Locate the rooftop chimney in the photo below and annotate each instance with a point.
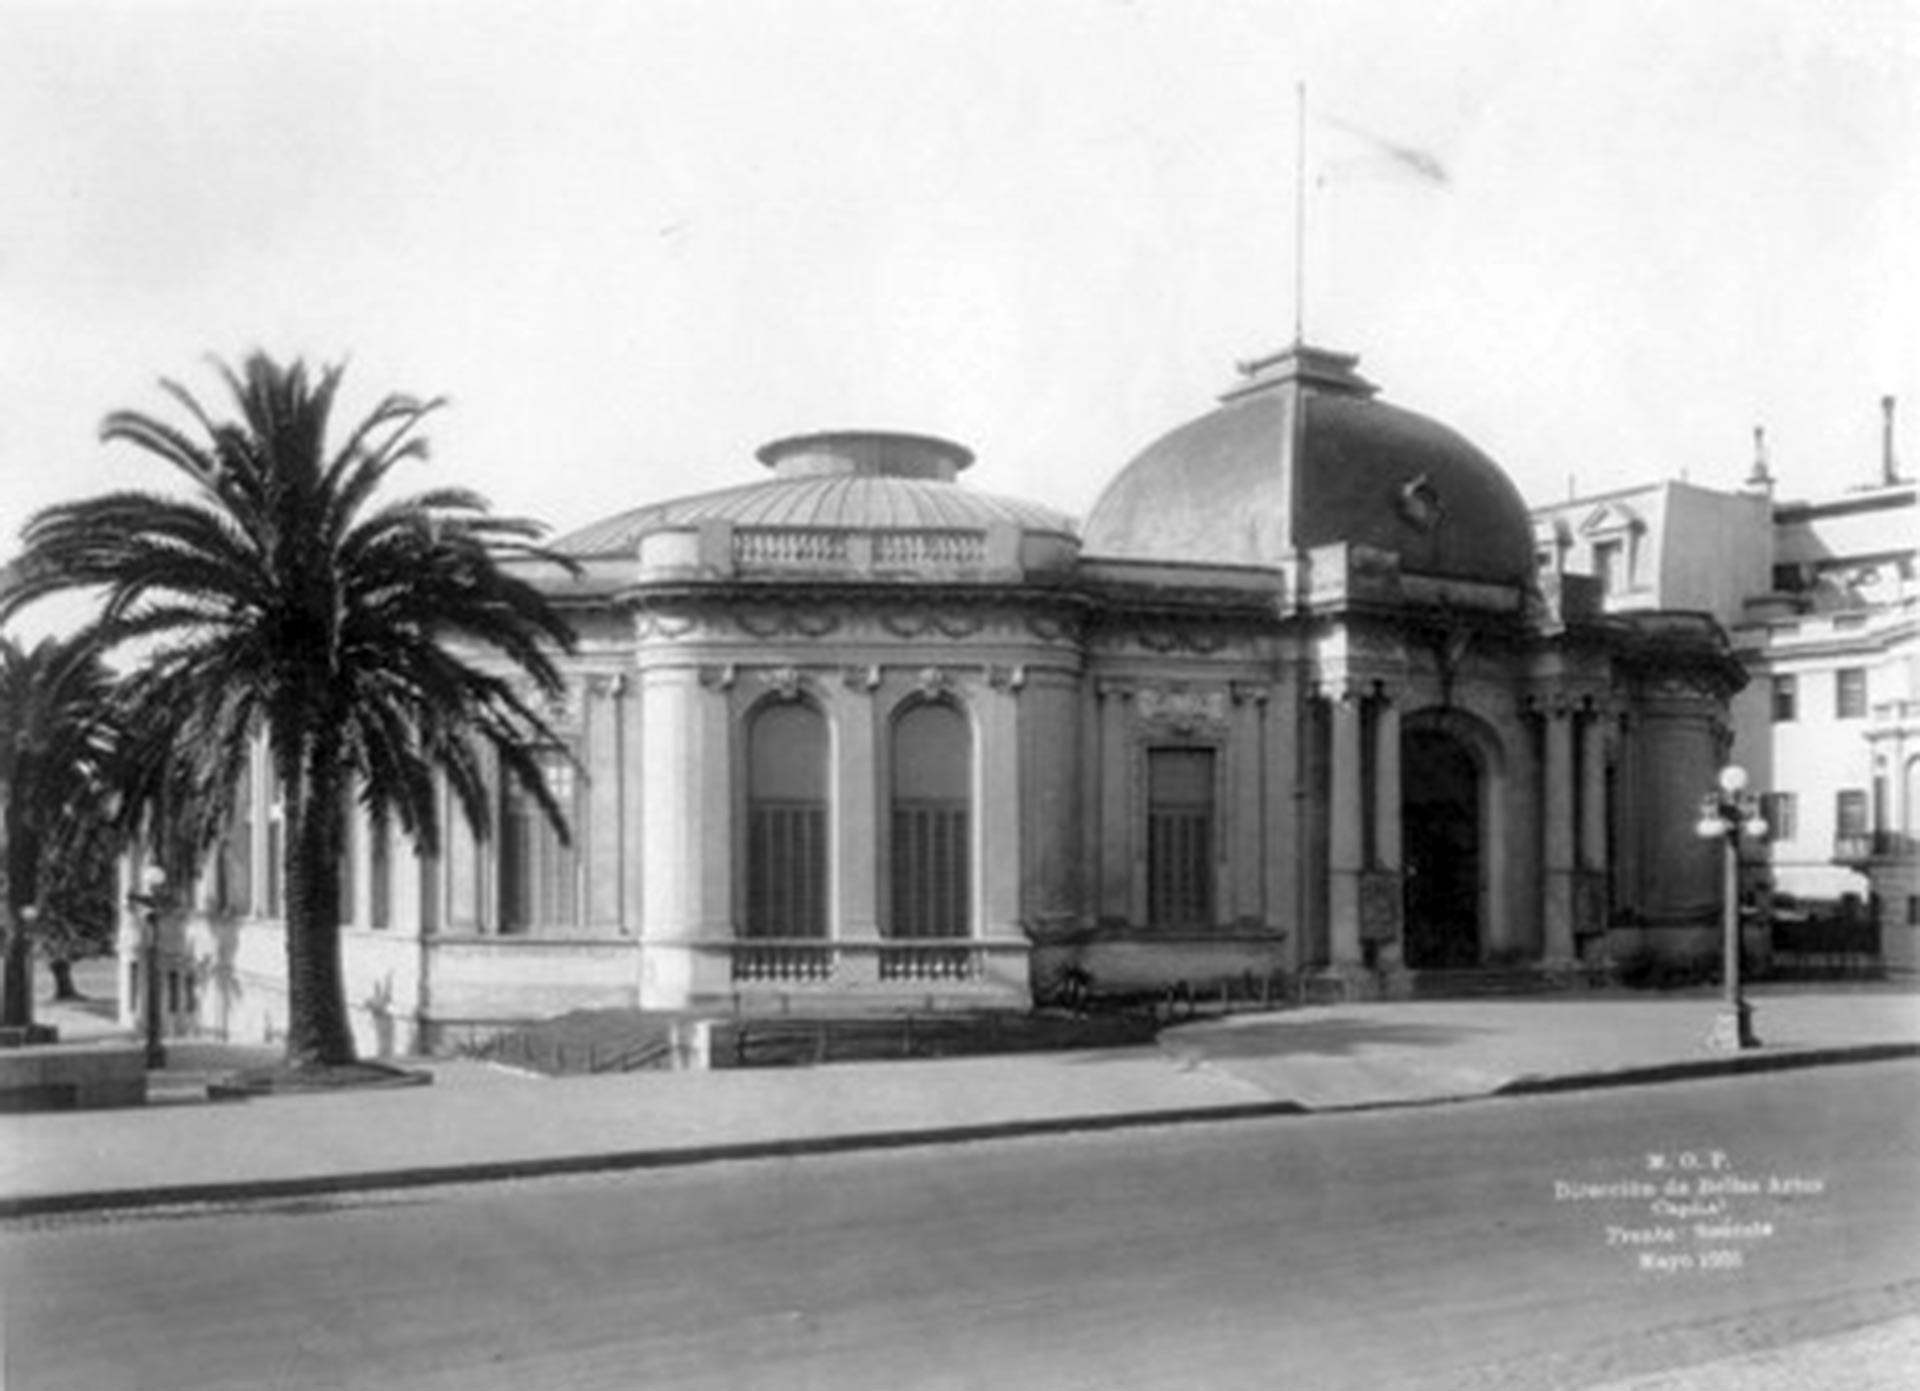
(1889, 465)
(1761, 479)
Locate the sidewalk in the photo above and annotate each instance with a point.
(477, 1122)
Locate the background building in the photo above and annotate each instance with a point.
(1822, 601)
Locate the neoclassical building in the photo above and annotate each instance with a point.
(1293, 701)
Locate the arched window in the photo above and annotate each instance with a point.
(787, 822)
(932, 805)
(539, 873)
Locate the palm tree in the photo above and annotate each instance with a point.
(54, 746)
(384, 647)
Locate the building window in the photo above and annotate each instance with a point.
(234, 868)
(1180, 837)
(1786, 699)
(1913, 910)
(349, 867)
(276, 846)
(380, 872)
(931, 829)
(1609, 565)
(1850, 693)
(1781, 812)
(1850, 812)
(432, 869)
(787, 823)
(538, 872)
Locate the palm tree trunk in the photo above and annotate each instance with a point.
(18, 874)
(16, 1004)
(319, 1034)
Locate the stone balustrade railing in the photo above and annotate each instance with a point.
(812, 961)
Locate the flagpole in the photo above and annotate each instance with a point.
(1300, 214)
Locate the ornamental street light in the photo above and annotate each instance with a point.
(1726, 814)
(150, 900)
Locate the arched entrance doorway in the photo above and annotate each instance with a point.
(1441, 845)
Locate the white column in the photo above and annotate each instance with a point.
(1558, 793)
(1593, 792)
(1246, 774)
(1116, 804)
(1346, 841)
(598, 840)
(687, 888)
(632, 759)
(1281, 851)
(1051, 849)
(856, 833)
(1386, 786)
(997, 812)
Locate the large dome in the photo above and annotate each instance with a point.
(839, 481)
(1300, 455)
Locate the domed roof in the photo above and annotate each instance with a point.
(851, 480)
(1299, 455)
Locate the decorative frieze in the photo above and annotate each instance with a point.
(920, 621)
(1183, 711)
(1055, 627)
(1204, 639)
(786, 620)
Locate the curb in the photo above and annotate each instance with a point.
(494, 1171)
(1693, 1069)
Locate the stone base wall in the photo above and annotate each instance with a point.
(1123, 965)
(82, 1077)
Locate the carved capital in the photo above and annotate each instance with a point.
(719, 678)
(659, 624)
(1250, 692)
(1552, 705)
(1008, 679)
(933, 682)
(865, 680)
(1343, 690)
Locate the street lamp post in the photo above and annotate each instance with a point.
(1726, 814)
(150, 899)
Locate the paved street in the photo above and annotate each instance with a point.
(1458, 1247)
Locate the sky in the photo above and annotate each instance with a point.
(631, 242)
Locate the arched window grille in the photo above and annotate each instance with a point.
(787, 822)
(931, 824)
